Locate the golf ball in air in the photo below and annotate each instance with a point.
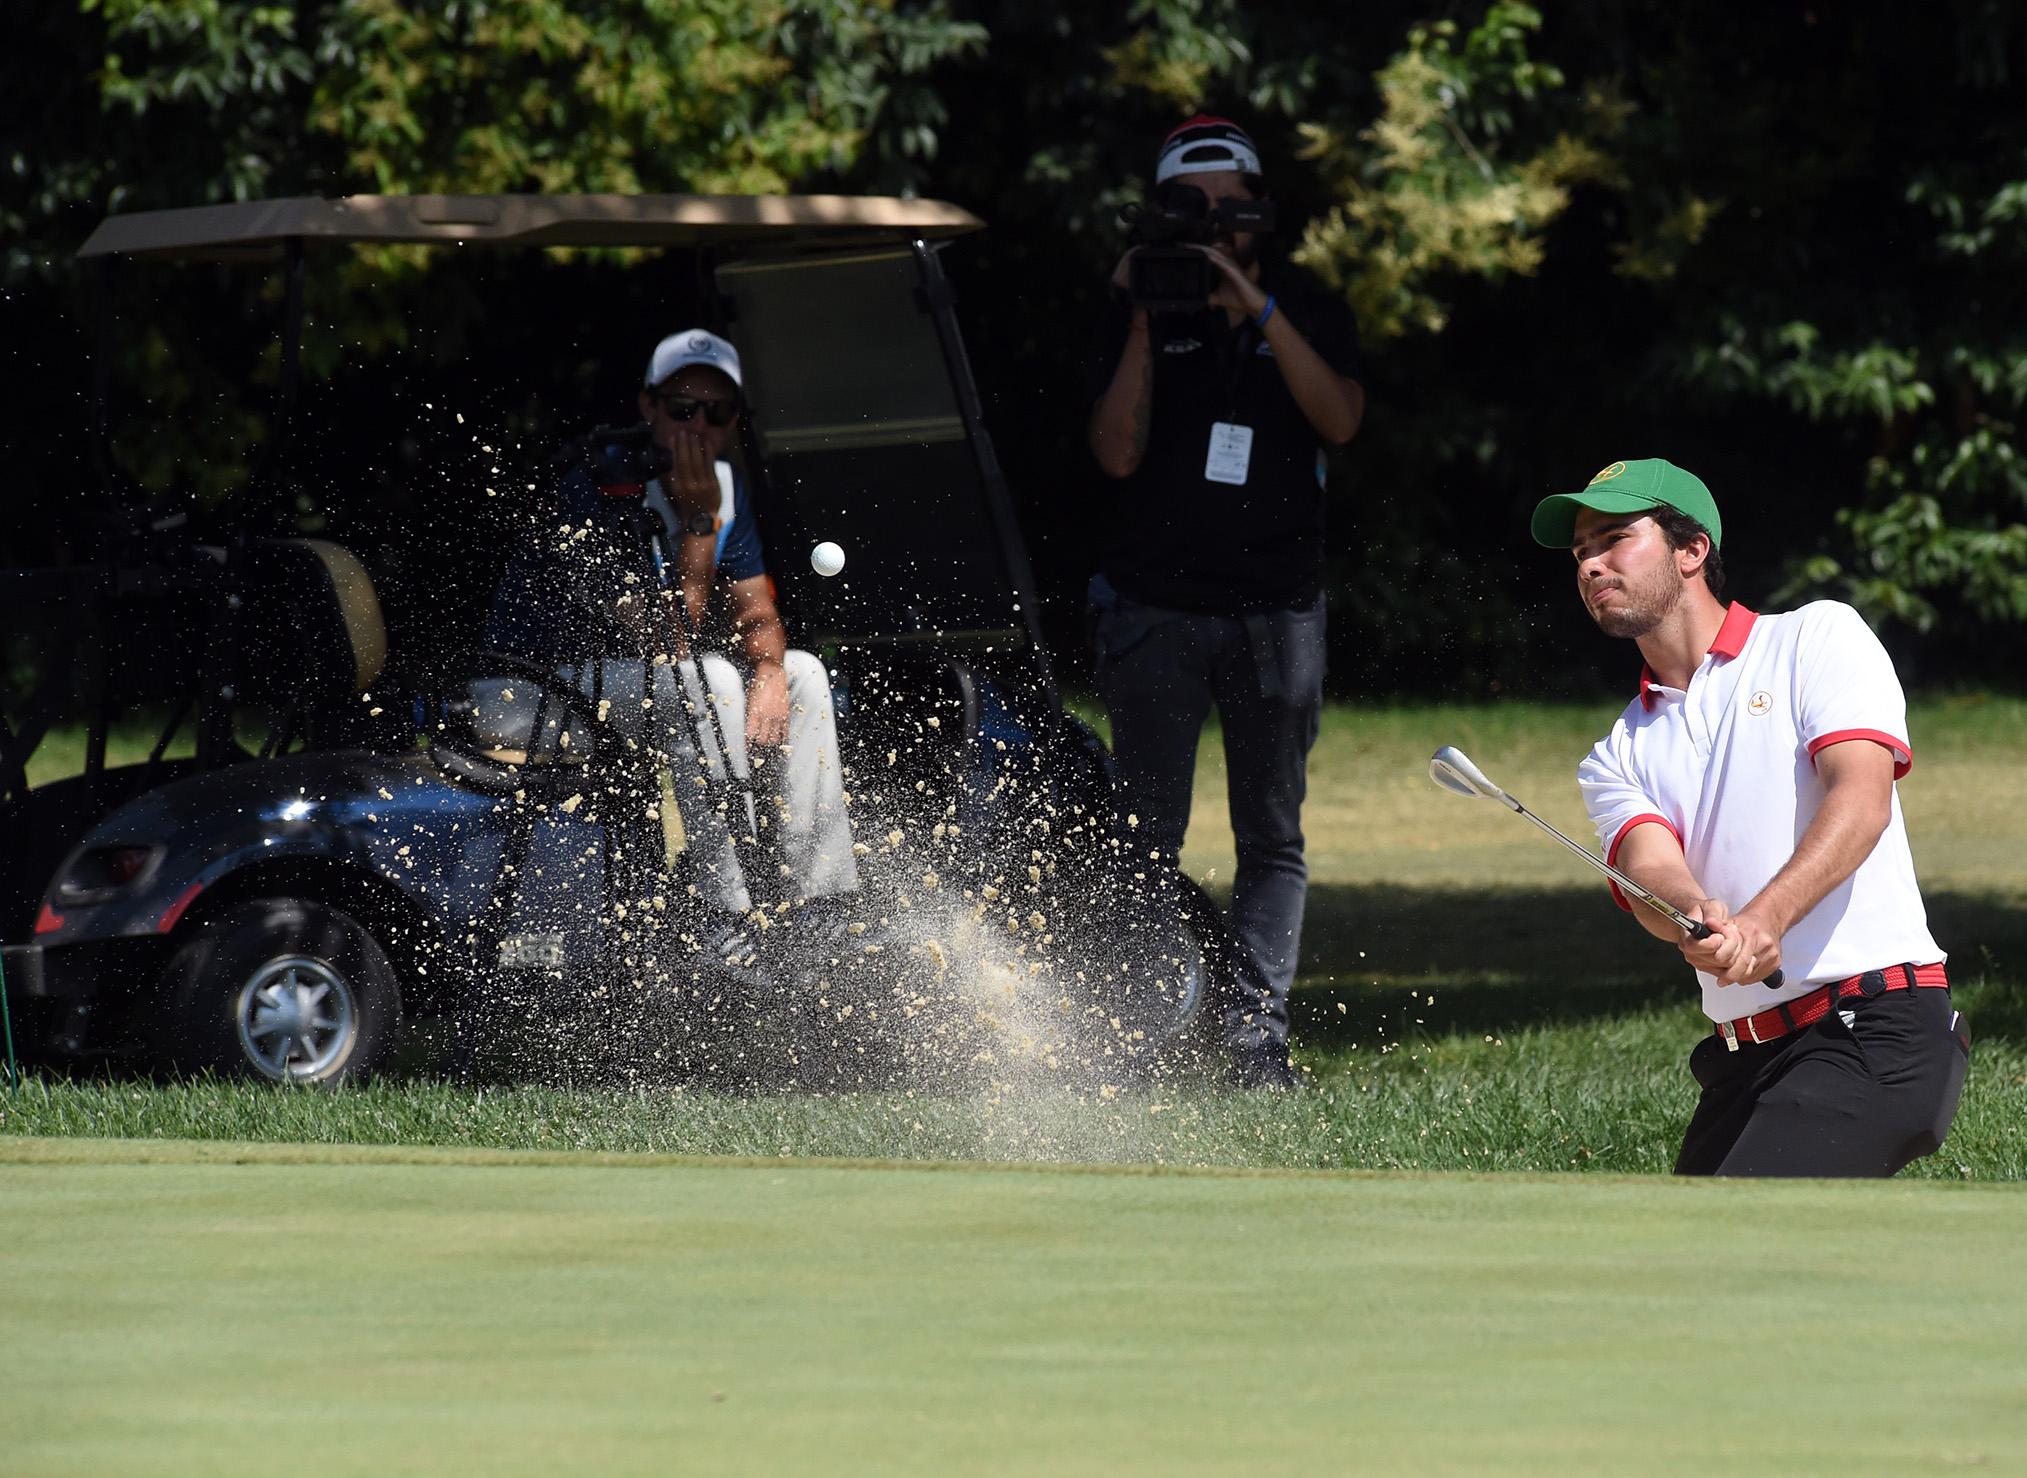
(827, 559)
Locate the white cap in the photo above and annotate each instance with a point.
(693, 346)
(1205, 144)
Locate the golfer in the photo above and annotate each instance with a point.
(1210, 588)
(573, 600)
(1751, 784)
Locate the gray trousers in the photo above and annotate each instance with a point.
(1159, 673)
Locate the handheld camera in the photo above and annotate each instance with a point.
(1166, 276)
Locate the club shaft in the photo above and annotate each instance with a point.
(1667, 910)
(704, 717)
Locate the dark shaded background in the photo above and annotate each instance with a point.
(1809, 127)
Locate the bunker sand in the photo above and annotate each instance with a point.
(192, 1307)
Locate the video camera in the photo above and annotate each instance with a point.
(617, 457)
(1166, 276)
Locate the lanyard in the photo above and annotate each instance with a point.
(1247, 351)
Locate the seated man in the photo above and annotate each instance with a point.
(577, 596)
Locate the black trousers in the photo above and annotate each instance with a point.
(1861, 1098)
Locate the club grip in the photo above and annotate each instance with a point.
(1703, 931)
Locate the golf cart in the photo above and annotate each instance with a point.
(471, 840)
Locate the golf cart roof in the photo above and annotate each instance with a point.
(258, 228)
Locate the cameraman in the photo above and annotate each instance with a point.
(1210, 584)
(578, 600)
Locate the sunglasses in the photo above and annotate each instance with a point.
(683, 407)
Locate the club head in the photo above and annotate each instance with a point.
(1452, 769)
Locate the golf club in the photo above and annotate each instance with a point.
(1452, 769)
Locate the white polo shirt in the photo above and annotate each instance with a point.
(1729, 767)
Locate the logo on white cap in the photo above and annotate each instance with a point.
(1205, 144)
(693, 346)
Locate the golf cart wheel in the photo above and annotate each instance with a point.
(1188, 933)
(1183, 949)
(282, 989)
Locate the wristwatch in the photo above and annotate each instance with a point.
(702, 524)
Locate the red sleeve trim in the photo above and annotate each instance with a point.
(1612, 853)
(1903, 756)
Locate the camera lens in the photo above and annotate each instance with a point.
(1170, 280)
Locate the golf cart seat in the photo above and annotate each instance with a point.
(314, 632)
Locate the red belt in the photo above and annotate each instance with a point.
(1792, 1016)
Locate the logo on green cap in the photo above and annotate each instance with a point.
(1632, 487)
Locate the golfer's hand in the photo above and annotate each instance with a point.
(1237, 290)
(692, 484)
(1702, 953)
(1757, 953)
(1742, 949)
(767, 707)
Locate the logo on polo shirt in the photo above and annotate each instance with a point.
(1760, 704)
(1607, 475)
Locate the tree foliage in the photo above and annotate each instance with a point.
(741, 96)
(1782, 246)
(1430, 193)
(709, 96)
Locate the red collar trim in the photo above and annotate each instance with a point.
(1728, 643)
(1738, 625)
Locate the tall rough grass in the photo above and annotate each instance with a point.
(1609, 1095)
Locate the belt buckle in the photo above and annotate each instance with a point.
(1730, 1034)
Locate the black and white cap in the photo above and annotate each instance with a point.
(693, 346)
(1205, 144)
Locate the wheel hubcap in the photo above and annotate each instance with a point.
(297, 1020)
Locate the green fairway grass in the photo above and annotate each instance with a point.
(229, 1310)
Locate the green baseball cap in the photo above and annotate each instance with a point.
(1628, 487)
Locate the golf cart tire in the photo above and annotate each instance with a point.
(282, 989)
(1202, 1031)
